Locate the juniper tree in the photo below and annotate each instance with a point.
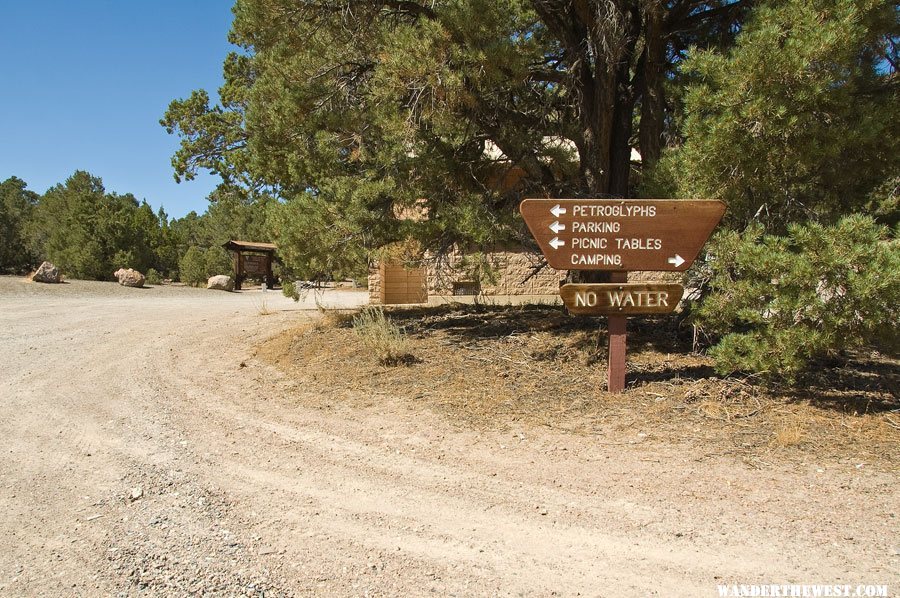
(797, 127)
(800, 120)
(16, 206)
(88, 232)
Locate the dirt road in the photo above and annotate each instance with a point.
(145, 452)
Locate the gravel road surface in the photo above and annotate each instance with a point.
(147, 453)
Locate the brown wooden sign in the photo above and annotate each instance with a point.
(621, 235)
(623, 299)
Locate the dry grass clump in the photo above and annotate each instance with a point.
(262, 307)
(385, 339)
(790, 433)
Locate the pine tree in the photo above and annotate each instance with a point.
(800, 120)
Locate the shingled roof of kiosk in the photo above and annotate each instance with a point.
(249, 246)
(252, 265)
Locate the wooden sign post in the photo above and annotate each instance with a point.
(616, 329)
(619, 236)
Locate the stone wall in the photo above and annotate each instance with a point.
(374, 283)
(495, 273)
(660, 277)
(499, 273)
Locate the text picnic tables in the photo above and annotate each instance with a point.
(619, 236)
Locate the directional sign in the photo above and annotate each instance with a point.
(621, 235)
(621, 299)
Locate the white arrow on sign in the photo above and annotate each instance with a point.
(677, 260)
(557, 211)
(555, 243)
(556, 227)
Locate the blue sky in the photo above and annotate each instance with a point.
(85, 83)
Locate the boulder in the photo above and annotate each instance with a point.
(46, 273)
(220, 283)
(129, 278)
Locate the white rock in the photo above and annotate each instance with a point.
(47, 272)
(220, 282)
(129, 277)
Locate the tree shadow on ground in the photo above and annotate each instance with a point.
(860, 383)
(480, 322)
(672, 373)
(470, 323)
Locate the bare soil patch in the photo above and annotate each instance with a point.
(493, 367)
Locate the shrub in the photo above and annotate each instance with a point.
(153, 277)
(123, 259)
(382, 337)
(289, 290)
(191, 267)
(262, 306)
(331, 319)
(217, 261)
(197, 264)
(780, 302)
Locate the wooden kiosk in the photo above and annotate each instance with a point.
(252, 260)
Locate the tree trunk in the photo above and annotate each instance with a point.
(600, 37)
(620, 140)
(651, 79)
(596, 94)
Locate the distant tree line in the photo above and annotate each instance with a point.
(89, 233)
